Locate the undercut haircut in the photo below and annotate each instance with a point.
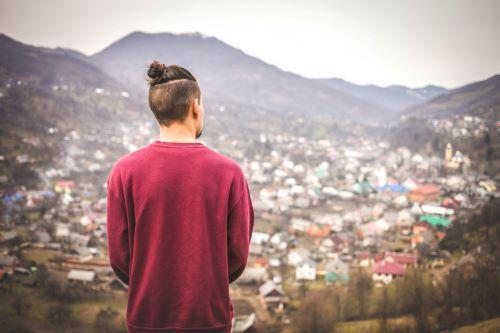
(171, 90)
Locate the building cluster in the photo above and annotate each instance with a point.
(324, 210)
(461, 126)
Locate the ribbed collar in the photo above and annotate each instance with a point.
(173, 144)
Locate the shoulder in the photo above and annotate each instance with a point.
(130, 159)
(127, 162)
(225, 163)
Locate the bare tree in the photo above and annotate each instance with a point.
(317, 313)
(417, 298)
(384, 311)
(360, 287)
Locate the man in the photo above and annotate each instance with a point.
(179, 218)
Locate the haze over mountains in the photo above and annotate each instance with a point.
(393, 97)
(227, 75)
(62, 89)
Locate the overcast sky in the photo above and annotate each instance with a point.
(414, 43)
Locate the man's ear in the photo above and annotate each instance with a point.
(195, 108)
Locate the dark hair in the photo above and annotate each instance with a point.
(171, 90)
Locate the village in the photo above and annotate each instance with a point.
(324, 210)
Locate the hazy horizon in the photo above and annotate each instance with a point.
(383, 43)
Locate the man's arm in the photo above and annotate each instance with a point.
(117, 227)
(240, 227)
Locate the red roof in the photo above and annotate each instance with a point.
(450, 203)
(262, 261)
(367, 255)
(387, 267)
(402, 258)
(65, 183)
(427, 189)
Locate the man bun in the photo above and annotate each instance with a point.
(156, 72)
(159, 73)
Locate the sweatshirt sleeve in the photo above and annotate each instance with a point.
(117, 227)
(240, 227)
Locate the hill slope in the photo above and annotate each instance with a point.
(44, 94)
(394, 97)
(480, 99)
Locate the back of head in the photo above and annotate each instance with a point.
(171, 90)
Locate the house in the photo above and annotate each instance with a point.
(326, 245)
(256, 249)
(386, 270)
(306, 270)
(279, 240)
(300, 224)
(81, 275)
(405, 218)
(315, 231)
(10, 238)
(427, 237)
(437, 210)
(243, 323)
(43, 237)
(262, 261)
(374, 227)
(295, 256)
(365, 259)
(8, 261)
(272, 296)
(260, 238)
(274, 262)
(62, 231)
(253, 275)
(450, 203)
(336, 271)
(64, 186)
(404, 259)
(435, 221)
(420, 228)
(425, 193)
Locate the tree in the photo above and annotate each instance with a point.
(104, 321)
(42, 274)
(317, 313)
(361, 286)
(19, 305)
(53, 289)
(60, 315)
(417, 293)
(384, 311)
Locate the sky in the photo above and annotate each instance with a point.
(414, 43)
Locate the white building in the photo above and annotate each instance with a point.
(306, 270)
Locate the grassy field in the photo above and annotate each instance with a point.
(370, 326)
(488, 326)
(34, 313)
(40, 255)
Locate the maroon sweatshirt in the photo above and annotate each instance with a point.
(179, 224)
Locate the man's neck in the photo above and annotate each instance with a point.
(176, 133)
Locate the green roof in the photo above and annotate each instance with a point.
(435, 220)
(332, 277)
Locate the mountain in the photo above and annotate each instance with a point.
(227, 74)
(479, 98)
(44, 95)
(46, 66)
(393, 97)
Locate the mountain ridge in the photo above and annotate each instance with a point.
(228, 73)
